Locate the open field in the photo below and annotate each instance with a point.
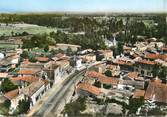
(20, 28)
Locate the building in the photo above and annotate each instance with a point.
(86, 89)
(108, 54)
(156, 92)
(14, 96)
(144, 67)
(64, 47)
(89, 58)
(35, 91)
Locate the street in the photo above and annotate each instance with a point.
(50, 107)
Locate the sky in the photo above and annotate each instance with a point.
(83, 5)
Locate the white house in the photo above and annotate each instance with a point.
(2, 56)
(14, 96)
(35, 91)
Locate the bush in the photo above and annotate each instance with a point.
(7, 104)
(108, 73)
(24, 106)
(7, 85)
(74, 108)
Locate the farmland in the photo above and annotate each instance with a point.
(20, 28)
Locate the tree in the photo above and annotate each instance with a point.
(46, 48)
(7, 85)
(33, 59)
(24, 55)
(24, 106)
(163, 74)
(74, 108)
(108, 73)
(135, 103)
(156, 70)
(7, 104)
(120, 48)
(69, 51)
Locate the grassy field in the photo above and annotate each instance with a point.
(9, 46)
(30, 30)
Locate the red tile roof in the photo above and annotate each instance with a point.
(147, 62)
(135, 76)
(156, 91)
(122, 62)
(102, 78)
(42, 59)
(3, 75)
(11, 94)
(138, 93)
(25, 78)
(88, 87)
(156, 56)
(27, 72)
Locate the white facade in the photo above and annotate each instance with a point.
(37, 95)
(57, 74)
(15, 101)
(2, 56)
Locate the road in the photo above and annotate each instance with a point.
(54, 102)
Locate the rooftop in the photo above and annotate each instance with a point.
(138, 93)
(29, 79)
(102, 78)
(156, 91)
(33, 87)
(88, 87)
(27, 72)
(11, 94)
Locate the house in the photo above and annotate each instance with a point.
(35, 91)
(57, 73)
(42, 59)
(24, 80)
(125, 64)
(138, 93)
(8, 63)
(153, 57)
(3, 76)
(134, 76)
(144, 67)
(108, 54)
(156, 92)
(86, 51)
(130, 85)
(2, 56)
(101, 68)
(115, 69)
(14, 96)
(89, 57)
(104, 80)
(64, 47)
(87, 89)
(27, 72)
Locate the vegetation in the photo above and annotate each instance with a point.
(24, 106)
(97, 84)
(7, 85)
(7, 104)
(160, 71)
(24, 55)
(134, 104)
(107, 86)
(108, 73)
(74, 108)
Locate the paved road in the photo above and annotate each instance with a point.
(55, 100)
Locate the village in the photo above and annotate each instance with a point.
(133, 82)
